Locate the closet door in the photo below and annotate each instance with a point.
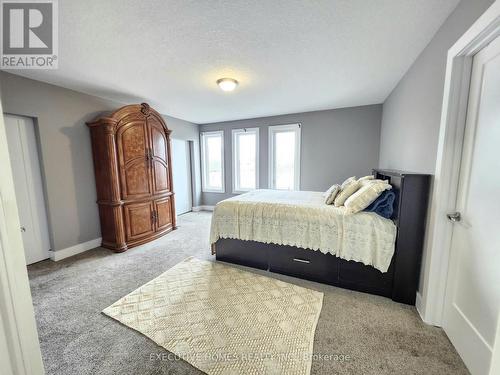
(135, 173)
(26, 170)
(159, 157)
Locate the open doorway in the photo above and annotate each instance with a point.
(181, 170)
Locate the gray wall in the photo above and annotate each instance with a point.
(335, 144)
(66, 153)
(412, 112)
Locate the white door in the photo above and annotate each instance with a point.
(181, 171)
(23, 152)
(472, 303)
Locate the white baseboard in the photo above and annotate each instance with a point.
(419, 305)
(202, 208)
(73, 250)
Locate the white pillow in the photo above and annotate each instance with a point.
(331, 193)
(348, 187)
(366, 195)
(365, 182)
(327, 192)
(367, 178)
(347, 181)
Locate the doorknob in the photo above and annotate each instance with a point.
(454, 217)
(23, 229)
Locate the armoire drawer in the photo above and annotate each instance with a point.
(308, 264)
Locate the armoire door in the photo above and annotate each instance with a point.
(159, 154)
(163, 208)
(135, 174)
(139, 220)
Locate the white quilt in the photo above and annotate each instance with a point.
(302, 219)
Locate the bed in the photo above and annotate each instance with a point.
(296, 233)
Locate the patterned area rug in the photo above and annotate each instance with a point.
(224, 320)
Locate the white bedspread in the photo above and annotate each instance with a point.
(302, 219)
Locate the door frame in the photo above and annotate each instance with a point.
(17, 318)
(430, 301)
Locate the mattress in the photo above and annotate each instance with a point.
(302, 219)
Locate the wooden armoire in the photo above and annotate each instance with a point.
(132, 164)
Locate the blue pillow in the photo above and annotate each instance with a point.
(383, 205)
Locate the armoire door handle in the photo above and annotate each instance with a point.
(151, 157)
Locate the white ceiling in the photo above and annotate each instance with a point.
(289, 55)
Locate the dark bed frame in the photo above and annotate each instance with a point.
(400, 282)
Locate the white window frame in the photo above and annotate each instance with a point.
(235, 132)
(284, 128)
(204, 160)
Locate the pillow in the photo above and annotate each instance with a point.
(331, 193)
(365, 182)
(383, 205)
(367, 178)
(348, 187)
(368, 192)
(328, 191)
(347, 181)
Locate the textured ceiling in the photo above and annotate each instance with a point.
(289, 56)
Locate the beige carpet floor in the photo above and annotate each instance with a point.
(357, 333)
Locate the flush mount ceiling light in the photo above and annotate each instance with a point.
(227, 84)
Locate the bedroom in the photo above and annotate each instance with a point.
(225, 182)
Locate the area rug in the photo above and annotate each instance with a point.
(224, 320)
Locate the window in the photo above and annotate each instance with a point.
(284, 157)
(245, 159)
(212, 161)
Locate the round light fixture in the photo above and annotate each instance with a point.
(227, 84)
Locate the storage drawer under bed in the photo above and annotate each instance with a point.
(247, 253)
(355, 275)
(307, 264)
